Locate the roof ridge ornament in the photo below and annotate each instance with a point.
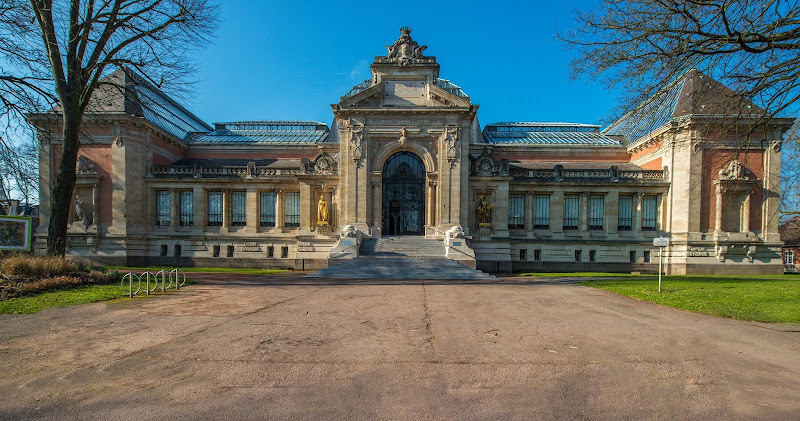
(405, 51)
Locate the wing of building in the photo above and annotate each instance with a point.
(406, 156)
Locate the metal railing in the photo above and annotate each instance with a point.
(174, 278)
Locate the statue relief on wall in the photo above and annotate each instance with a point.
(484, 211)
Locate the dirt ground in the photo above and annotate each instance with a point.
(282, 346)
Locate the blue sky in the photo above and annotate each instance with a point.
(291, 60)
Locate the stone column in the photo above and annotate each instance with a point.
(557, 211)
(377, 218)
(583, 213)
(226, 210)
(529, 211)
(199, 198)
(306, 216)
(719, 191)
(96, 205)
(611, 209)
(278, 210)
(174, 197)
(252, 211)
(637, 212)
(746, 213)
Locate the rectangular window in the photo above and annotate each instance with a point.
(163, 250)
(625, 213)
(291, 209)
(788, 258)
(578, 255)
(216, 251)
(571, 211)
(541, 212)
(537, 255)
(267, 211)
(214, 208)
(270, 251)
(592, 255)
(633, 256)
(523, 255)
(649, 213)
(284, 252)
(162, 207)
(187, 208)
(238, 208)
(596, 212)
(647, 256)
(516, 211)
(177, 250)
(230, 251)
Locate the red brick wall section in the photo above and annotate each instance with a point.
(715, 160)
(652, 165)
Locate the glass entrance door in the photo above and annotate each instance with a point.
(403, 195)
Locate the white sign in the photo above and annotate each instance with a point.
(661, 241)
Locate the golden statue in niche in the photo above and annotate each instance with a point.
(322, 211)
(484, 211)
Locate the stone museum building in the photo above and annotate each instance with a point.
(405, 158)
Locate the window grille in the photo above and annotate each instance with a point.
(267, 218)
(625, 213)
(187, 208)
(571, 211)
(537, 255)
(592, 255)
(291, 210)
(647, 256)
(788, 258)
(596, 212)
(541, 211)
(214, 208)
(162, 207)
(578, 255)
(238, 208)
(516, 211)
(649, 213)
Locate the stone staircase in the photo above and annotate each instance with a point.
(400, 258)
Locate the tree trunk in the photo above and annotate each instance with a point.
(65, 183)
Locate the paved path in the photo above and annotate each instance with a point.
(239, 347)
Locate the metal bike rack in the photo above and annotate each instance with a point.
(168, 278)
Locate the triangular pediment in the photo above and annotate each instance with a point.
(441, 97)
(369, 97)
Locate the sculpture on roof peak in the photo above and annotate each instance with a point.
(405, 50)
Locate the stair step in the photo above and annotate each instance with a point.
(374, 267)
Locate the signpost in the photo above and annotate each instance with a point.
(660, 242)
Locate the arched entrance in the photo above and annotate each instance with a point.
(403, 195)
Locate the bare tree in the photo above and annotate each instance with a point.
(19, 170)
(790, 173)
(73, 44)
(640, 46)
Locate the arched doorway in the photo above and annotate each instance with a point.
(403, 195)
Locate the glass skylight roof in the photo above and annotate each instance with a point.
(266, 132)
(546, 133)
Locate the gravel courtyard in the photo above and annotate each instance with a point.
(283, 346)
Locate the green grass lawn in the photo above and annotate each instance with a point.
(203, 269)
(60, 298)
(774, 299)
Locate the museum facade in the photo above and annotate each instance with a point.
(406, 156)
